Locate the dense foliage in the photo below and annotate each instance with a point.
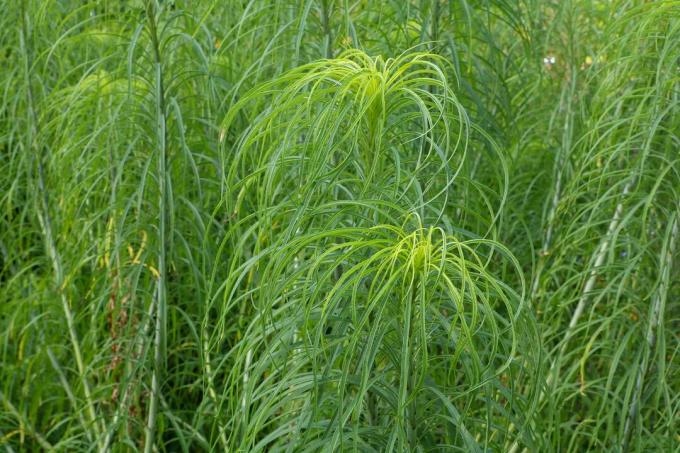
(340, 225)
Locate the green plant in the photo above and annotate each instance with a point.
(335, 225)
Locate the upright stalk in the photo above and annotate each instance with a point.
(560, 162)
(404, 379)
(599, 260)
(408, 383)
(600, 255)
(163, 189)
(655, 319)
(46, 225)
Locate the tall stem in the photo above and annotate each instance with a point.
(46, 225)
(599, 260)
(655, 319)
(407, 382)
(600, 255)
(163, 189)
(560, 162)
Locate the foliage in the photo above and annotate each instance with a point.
(332, 225)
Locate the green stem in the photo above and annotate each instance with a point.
(655, 319)
(163, 189)
(561, 161)
(407, 383)
(46, 224)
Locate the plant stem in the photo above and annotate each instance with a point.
(600, 255)
(655, 318)
(599, 260)
(46, 224)
(163, 188)
(560, 162)
(407, 386)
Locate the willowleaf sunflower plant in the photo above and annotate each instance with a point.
(331, 225)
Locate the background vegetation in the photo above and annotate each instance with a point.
(339, 225)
